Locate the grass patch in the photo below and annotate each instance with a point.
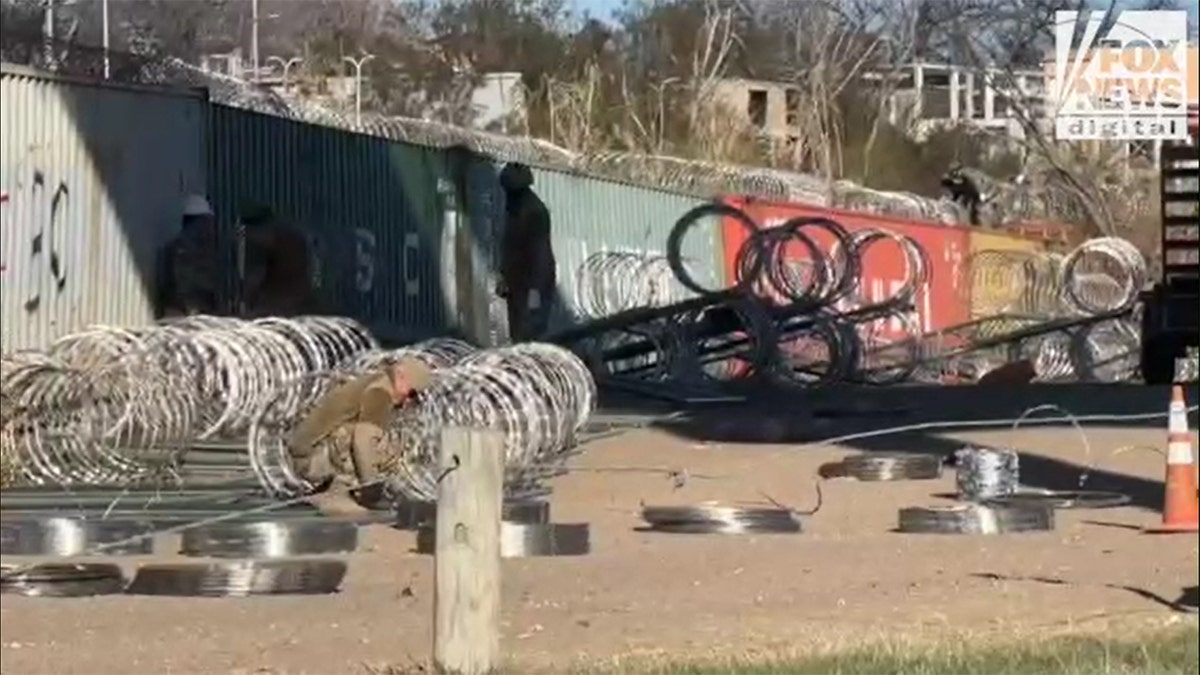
(1163, 652)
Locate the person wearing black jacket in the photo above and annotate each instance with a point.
(527, 267)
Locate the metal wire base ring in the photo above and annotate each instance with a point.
(522, 540)
(717, 519)
(877, 467)
(62, 580)
(412, 515)
(72, 536)
(976, 519)
(271, 538)
(240, 579)
(1062, 499)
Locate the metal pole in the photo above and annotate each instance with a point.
(358, 65)
(286, 66)
(104, 27)
(254, 39)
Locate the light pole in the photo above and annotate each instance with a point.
(254, 39)
(286, 65)
(104, 27)
(358, 65)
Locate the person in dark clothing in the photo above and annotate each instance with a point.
(968, 188)
(528, 276)
(187, 266)
(277, 265)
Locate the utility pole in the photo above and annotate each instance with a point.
(104, 27)
(358, 65)
(254, 39)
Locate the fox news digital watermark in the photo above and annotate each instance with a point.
(1129, 84)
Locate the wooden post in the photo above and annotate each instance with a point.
(466, 614)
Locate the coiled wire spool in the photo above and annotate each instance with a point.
(270, 539)
(976, 519)
(718, 519)
(986, 473)
(72, 536)
(876, 467)
(525, 540)
(411, 515)
(1062, 499)
(62, 580)
(240, 578)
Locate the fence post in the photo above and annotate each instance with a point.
(466, 614)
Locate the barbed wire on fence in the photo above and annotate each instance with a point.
(701, 178)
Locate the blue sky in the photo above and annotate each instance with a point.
(603, 9)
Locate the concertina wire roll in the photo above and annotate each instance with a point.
(539, 396)
(802, 316)
(113, 405)
(118, 406)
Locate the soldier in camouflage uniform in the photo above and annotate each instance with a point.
(189, 281)
(278, 278)
(336, 447)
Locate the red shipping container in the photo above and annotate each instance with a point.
(939, 304)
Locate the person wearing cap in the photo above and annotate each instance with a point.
(278, 279)
(336, 447)
(188, 284)
(527, 266)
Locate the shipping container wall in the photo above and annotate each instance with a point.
(374, 211)
(999, 273)
(939, 304)
(93, 177)
(591, 219)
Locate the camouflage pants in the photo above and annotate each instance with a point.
(351, 456)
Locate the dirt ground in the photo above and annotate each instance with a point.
(847, 578)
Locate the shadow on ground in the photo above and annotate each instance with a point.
(770, 415)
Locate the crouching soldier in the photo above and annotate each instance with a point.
(337, 446)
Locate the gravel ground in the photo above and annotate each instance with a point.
(847, 579)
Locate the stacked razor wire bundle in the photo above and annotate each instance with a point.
(117, 405)
(796, 312)
(540, 396)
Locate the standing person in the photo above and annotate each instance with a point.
(278, 280)
(970, 188)
(527, 267)
(188, 264)
(337, 446)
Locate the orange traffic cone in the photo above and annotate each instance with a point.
(1181, 508)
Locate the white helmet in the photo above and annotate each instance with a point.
(195, 205)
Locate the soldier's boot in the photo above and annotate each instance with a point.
(336, 501)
